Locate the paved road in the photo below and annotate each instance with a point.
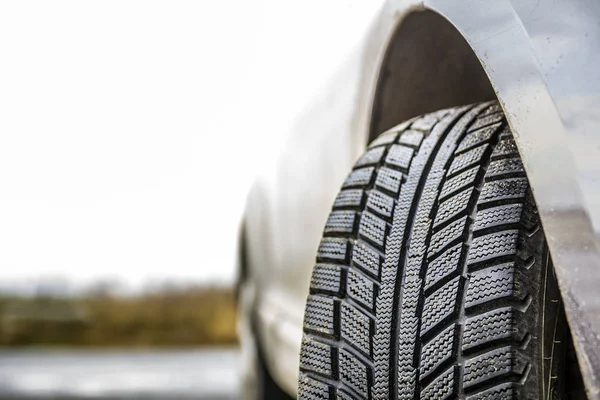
(180, 374)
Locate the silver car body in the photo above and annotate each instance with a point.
(539, 58)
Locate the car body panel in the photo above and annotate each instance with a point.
(541, 58)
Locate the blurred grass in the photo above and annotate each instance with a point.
(199, 316)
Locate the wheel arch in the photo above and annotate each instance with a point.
(427, 66)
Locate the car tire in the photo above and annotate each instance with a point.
(433, 279)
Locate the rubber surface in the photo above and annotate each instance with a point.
(433, 280)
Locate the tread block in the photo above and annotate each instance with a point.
(485, 328)
(485, 120)
(353, 373)
(505, 147)
(439, 305)
(319, 314)
(326, 277)
(505, 166)
(490, 284)
(384, 139)
(316, 356)
(504, 391)
(406, 375)
(399, 156)
(380, 203)
(447, 235)
(443, 265)
(493, 245)
(340, 222)
(494, 108)
(440, 388)
(513, 188)
(426, 122)
(366, 257)
(356, 328)
(478, 137)
(411, 138)
(373, 228)
(373, 156)
(349, 198)
(496, 216)
(459, 182)
(359, 177)
(389, 179)
(491, 365)
(340, 395)
(417, 245)
(438, 350)
(453, 206)
(309, 388)
(467, 159)
(361, 289)
(333, 249)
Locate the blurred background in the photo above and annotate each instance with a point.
(130, 133)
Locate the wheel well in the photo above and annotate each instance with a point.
(428, 66)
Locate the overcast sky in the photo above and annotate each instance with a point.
(130, 130)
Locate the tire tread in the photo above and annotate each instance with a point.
(431, 260)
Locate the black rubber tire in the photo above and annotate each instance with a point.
(433, 279)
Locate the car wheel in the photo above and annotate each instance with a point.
(433, 279)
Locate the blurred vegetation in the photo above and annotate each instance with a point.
(199, 316)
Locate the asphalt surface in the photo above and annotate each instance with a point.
(179, 374)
